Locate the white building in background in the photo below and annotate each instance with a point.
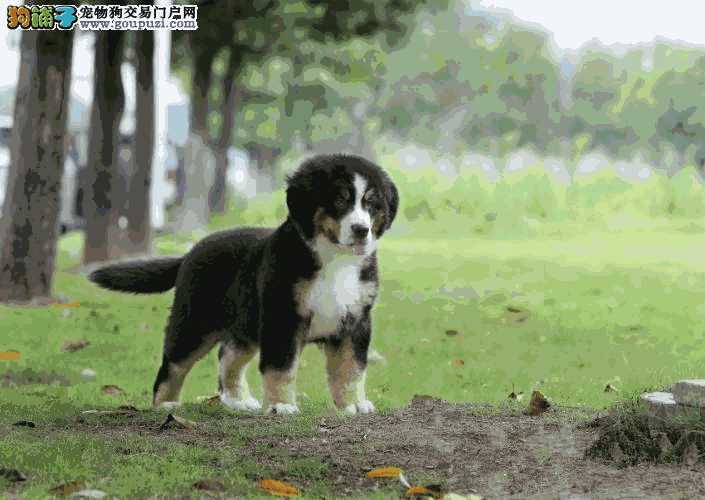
(171, 120)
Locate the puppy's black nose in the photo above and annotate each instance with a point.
(360, 231)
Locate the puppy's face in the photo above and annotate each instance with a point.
(345, 202)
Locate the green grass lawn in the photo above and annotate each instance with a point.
(566, 315)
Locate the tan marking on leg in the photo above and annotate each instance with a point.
(346, 378)
(169, 390)
(280, 390)
(235, 392)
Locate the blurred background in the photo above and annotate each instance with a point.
(496, 118)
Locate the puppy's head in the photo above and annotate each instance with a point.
(342, 200)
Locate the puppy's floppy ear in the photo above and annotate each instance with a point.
(392, 195)
(300, 202)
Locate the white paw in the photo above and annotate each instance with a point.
(245, 404)
(282, 409)
(168, 405)
(364, 406)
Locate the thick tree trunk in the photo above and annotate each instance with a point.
(217, 197)
(101, 209)
(138, 205)
(29, 223)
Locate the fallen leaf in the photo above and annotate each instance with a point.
(9, 355)
(538, 404)
(457, 362)
(209, 485)
(210, 400)
(74, 345)
(66, 489)
(431, 490)
(172, 421)
(75, 303)
(384, 472)
(611, 388)
(452, 333)
(12, 475)
(24, 423)
(279, 488)
(90, 494)
(513, 309)
(112, 390)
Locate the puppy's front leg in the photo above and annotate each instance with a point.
(279, 355)
(346, 363)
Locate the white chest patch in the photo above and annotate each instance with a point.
(334, 293)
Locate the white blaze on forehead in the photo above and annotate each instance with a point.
(358, 215)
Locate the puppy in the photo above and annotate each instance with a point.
(272, 291)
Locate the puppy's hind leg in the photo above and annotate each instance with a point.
(183, 346)
(232, 385)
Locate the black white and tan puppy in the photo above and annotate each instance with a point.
(312, 279)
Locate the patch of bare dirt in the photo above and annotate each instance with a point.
(494, 452)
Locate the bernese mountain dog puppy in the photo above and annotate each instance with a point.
(274, 290)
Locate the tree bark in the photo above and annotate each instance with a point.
(29, 224)
(102, 211)
(217, 197)
(138, 205)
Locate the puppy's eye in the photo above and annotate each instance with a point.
(341, 201)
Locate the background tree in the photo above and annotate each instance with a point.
(138, 202)
(101, 205)
(29, 224)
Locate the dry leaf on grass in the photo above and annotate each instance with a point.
(75, 303)
(391, 472)
(279, 488)
(431, 490)
(9, 355)
(172, 421)
(112, 390)
(538, 404)
(209, 400)
(611, 388)
(452, 333)
(66, 489)
(74, 345)
(457, 362)
(384, 472)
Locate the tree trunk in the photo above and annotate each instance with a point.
(29, 224)
(138, 205)
(217, 197)
(101, 209)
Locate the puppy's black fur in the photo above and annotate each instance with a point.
(242, 287)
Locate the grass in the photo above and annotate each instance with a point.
(580, 306)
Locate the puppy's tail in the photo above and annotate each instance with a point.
(140, 276)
